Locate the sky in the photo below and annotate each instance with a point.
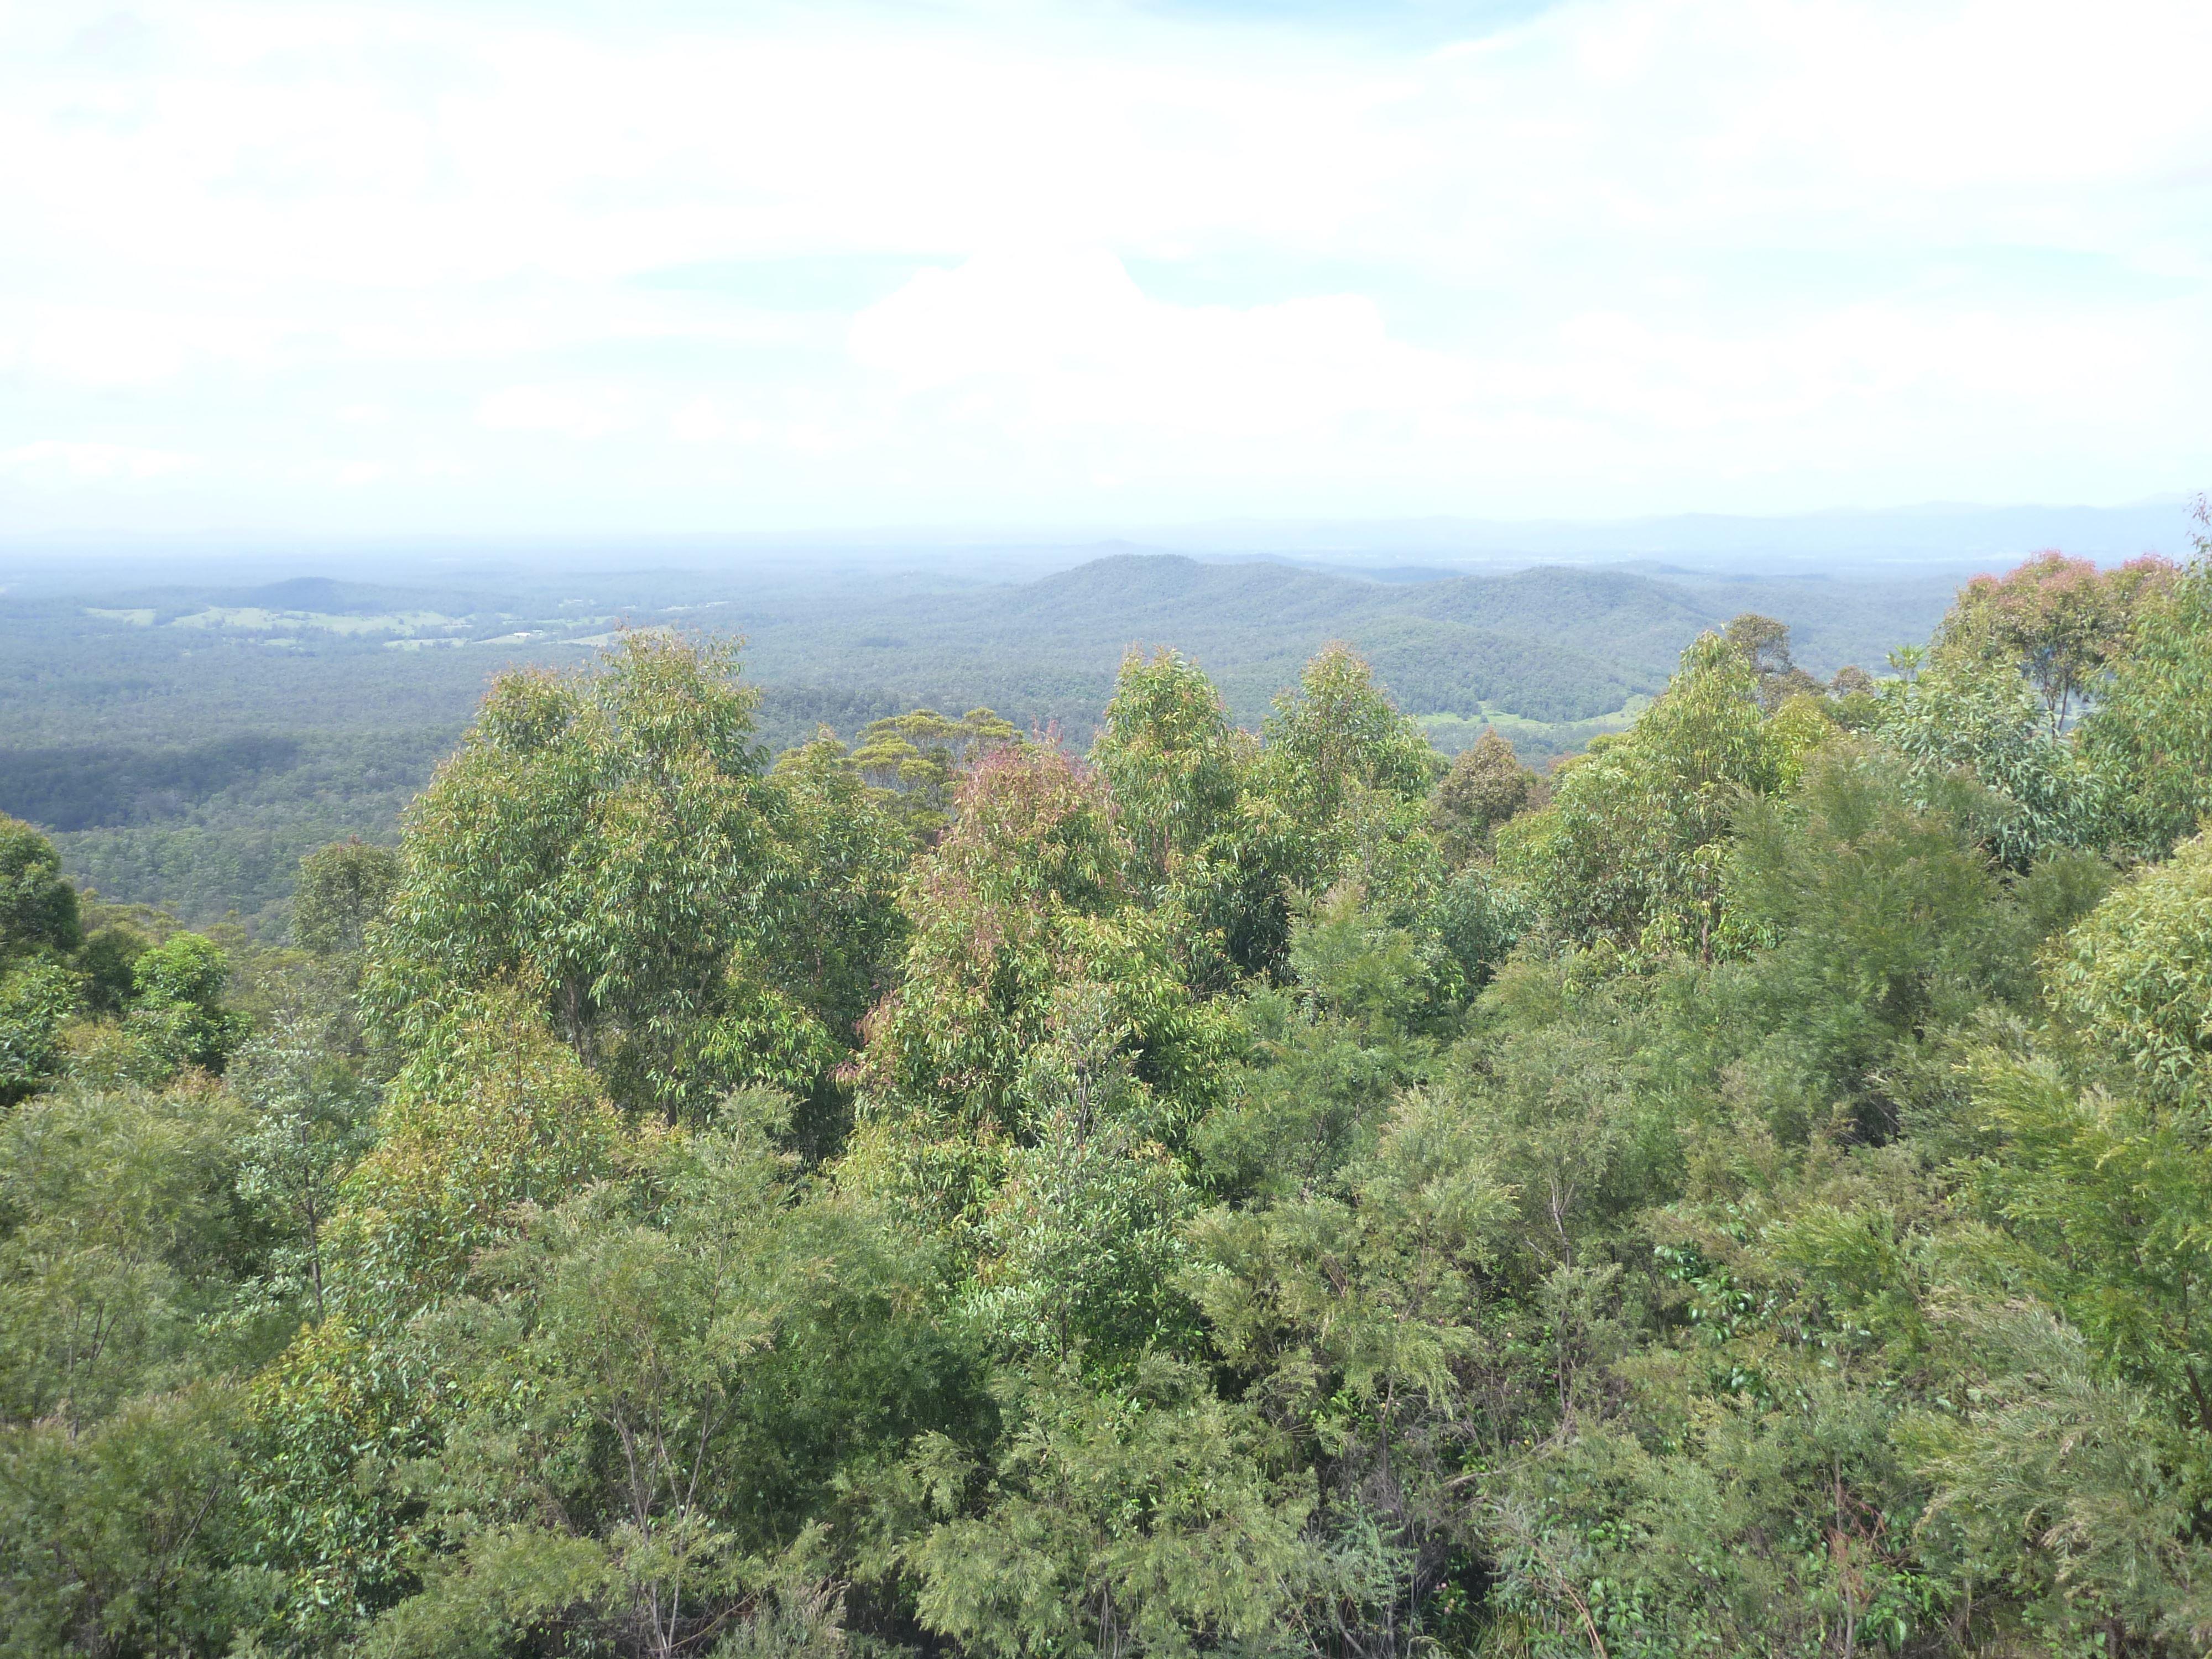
(579, 267)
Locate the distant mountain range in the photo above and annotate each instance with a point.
(1937, 538)
(1553, 643)
(1943, 535)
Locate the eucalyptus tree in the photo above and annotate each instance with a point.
(1487, 786)
(2060, 623)
(1631, 849)
(609, 841)
(38, 905)
(1025, 927)
(341, 889)
(2149, 737)
(39, 987)
(1171, 759)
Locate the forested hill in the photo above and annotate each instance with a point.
(1255, 1194)
(1551, 644)
(190, 743)
(1544, 645)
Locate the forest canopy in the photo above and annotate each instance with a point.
(1284, 1192)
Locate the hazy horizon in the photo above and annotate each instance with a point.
(1934, 539)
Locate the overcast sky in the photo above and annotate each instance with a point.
(509, 267)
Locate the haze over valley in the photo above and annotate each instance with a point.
(188, 741)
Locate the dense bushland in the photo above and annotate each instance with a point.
(1747, 1193)
(186, 746)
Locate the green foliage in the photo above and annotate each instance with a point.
(1885, 922)
(608, 841)
(1079, 1245)
(330, 1424)
(2061, 623)
(108, 960)
(314, 1118)
(2087, 1473)
(116, 1227)
(1026, 931)
(1143, 1519)
(36, 998)
(1354, 1305)
(2150, 736)
(37, 907)
(341, 889)
(120, 1537)
(490, 1119)
(1764, 644)
(1753, 1202)
(1741, 1528)
(1339, 737)
(1337, 804)
(177, 1010)
(1968, 717)
(491, 1113)
(651, 1402)
(1479, 918)
(854, 854)
(1168, 754)
(2101, 1200)
(1326, 1057)
(1486, 786)
(2136, 976)
(1631, 851)
(121, 1244)
(600, 1393)
(916, 761)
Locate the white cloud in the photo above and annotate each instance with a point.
(582, 412)
(50, 460)
(1058, 357)
(711, 421)
(122, 346)
(1072, 341)
(1627, 254)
